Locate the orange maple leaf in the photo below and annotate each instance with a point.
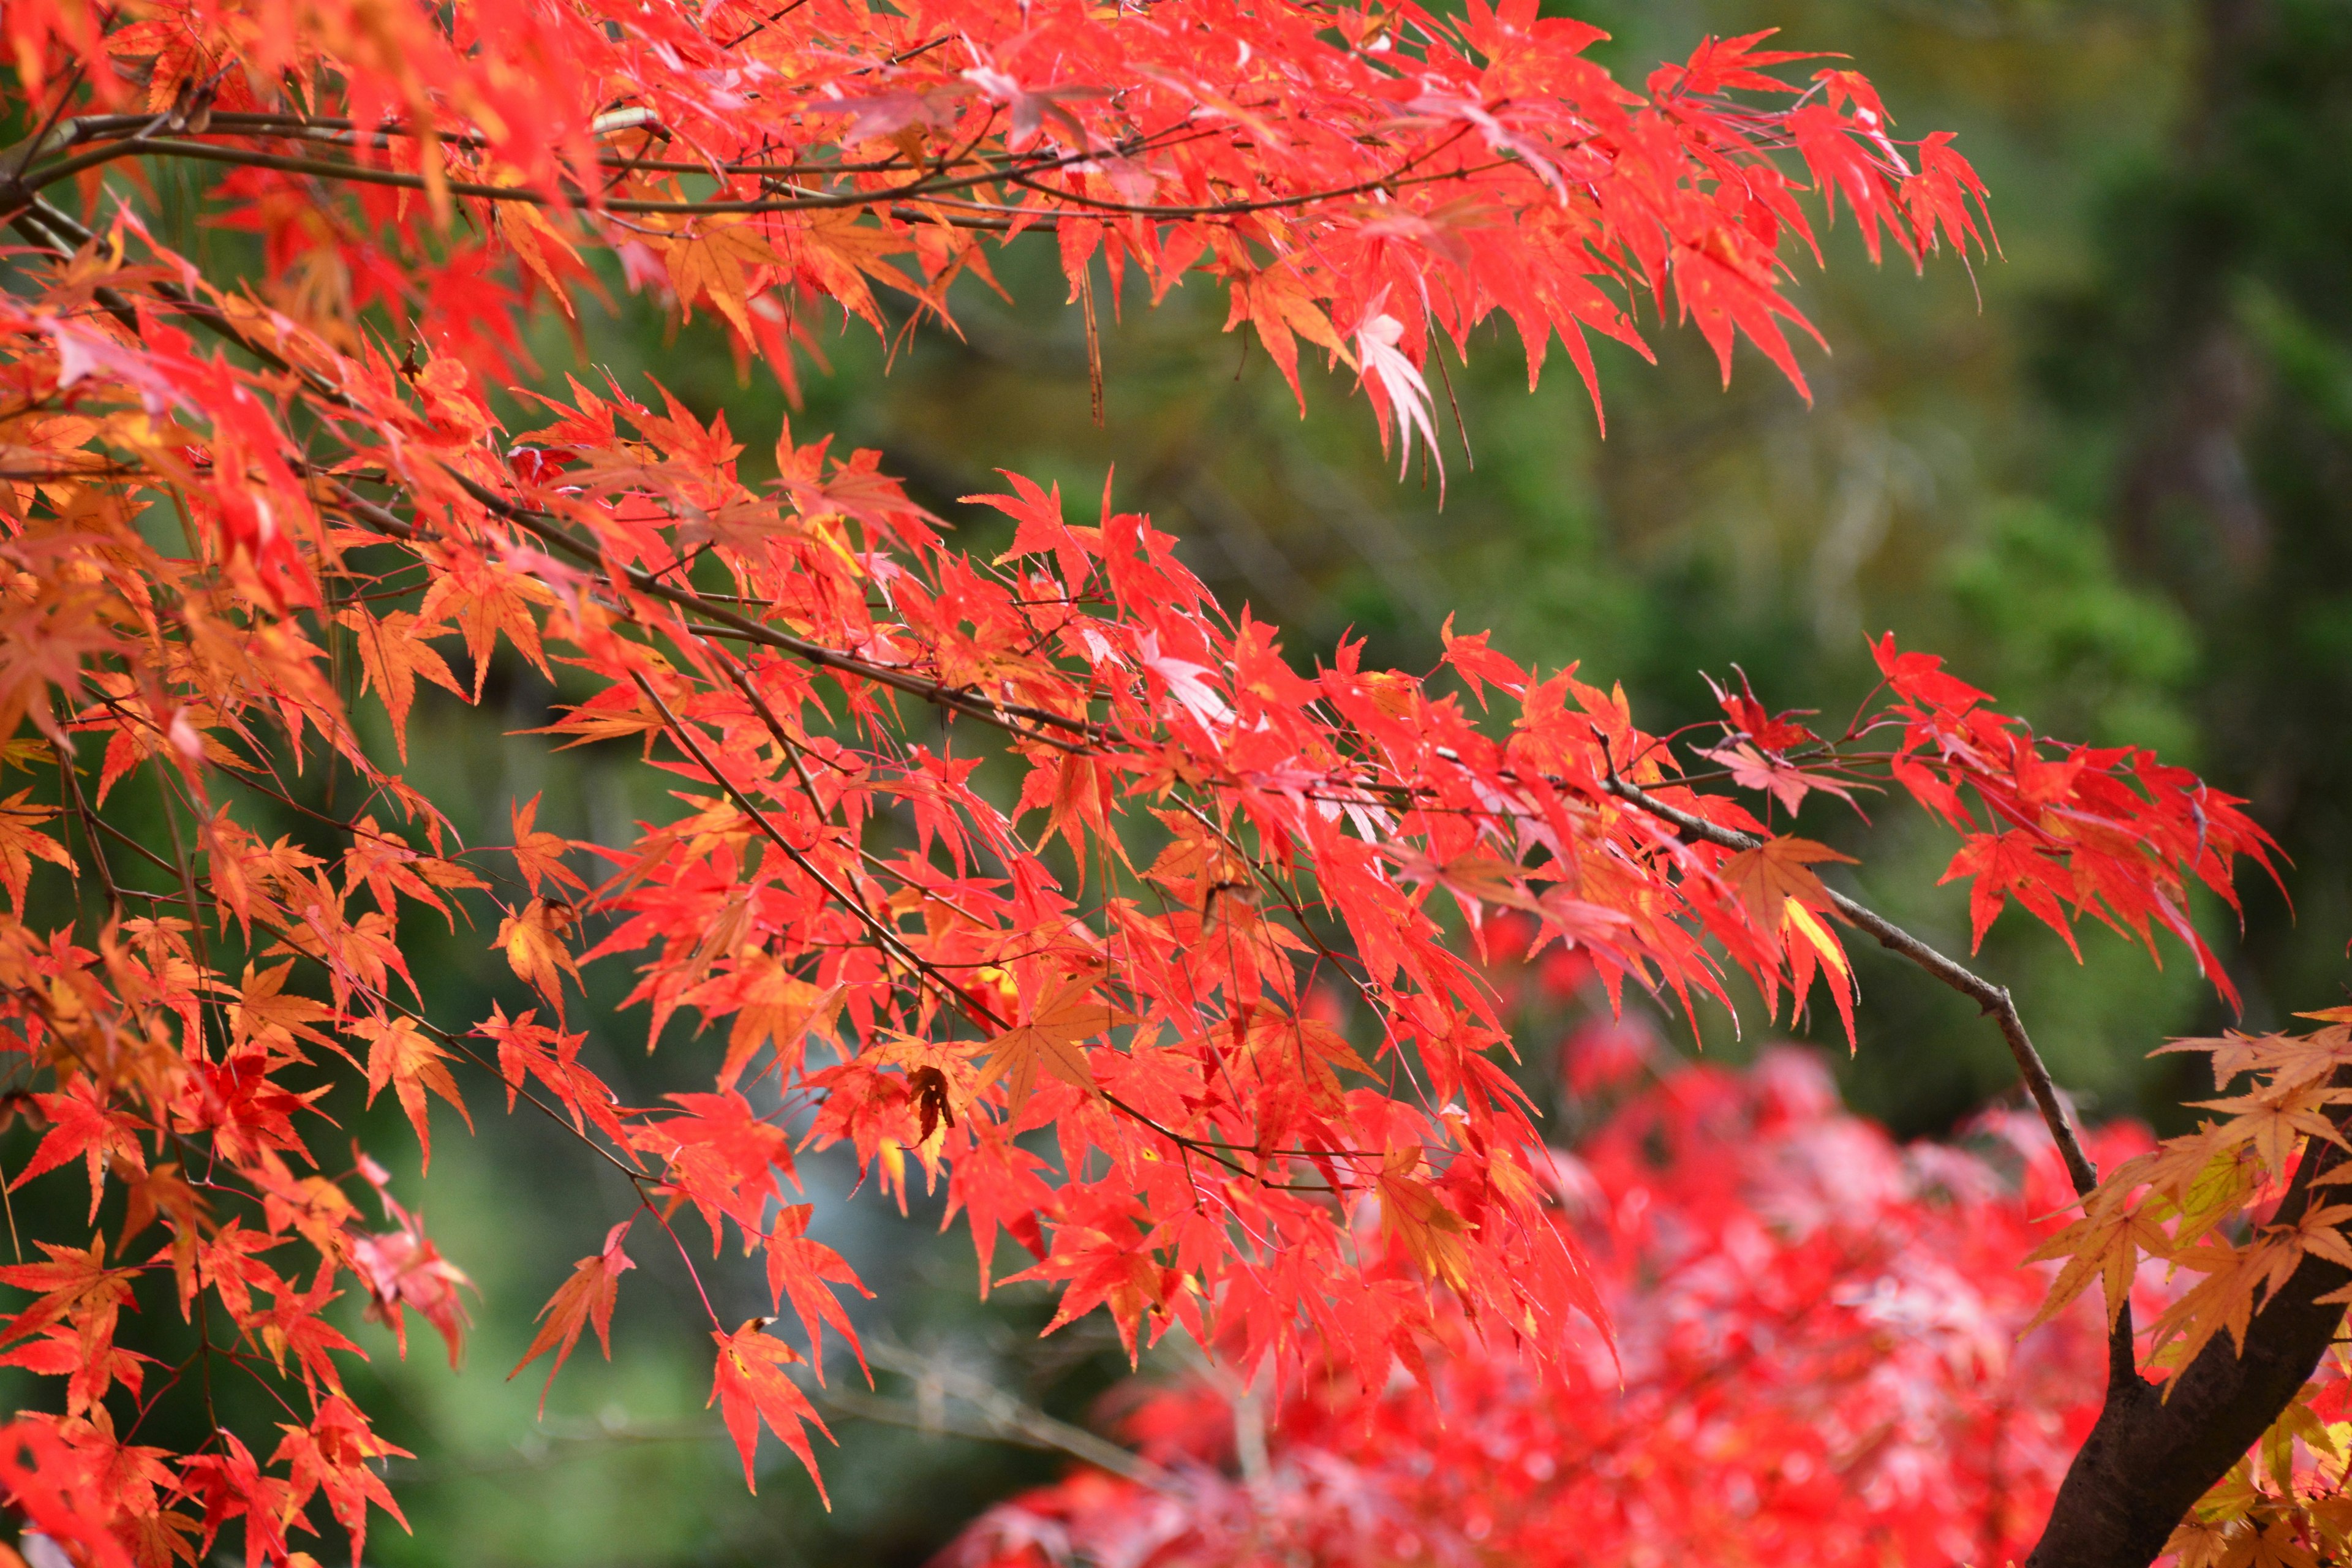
(1050, 1040)
(586, 1297)
(776, 1005)
(709, 264)
(1777, 870)
(539, 854)
(401, 1056)
(393, 653)
(21, 840)
(533, 941)
(750, 1386)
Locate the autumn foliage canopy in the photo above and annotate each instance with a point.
(1191, 1017)
(1816, 1362)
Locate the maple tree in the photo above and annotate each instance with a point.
(1817, 1361)
(1825, 1353)
(1095, 1005)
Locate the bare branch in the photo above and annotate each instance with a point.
(1002, 1417)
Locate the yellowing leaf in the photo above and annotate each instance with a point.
(1777, 870)
(533, 941)
(1809, 926)
(2105, 1245)
(707, 264)
(392, 654)
(1414, 1213)
(2275, 1123)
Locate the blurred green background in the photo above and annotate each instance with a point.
(2108, 475)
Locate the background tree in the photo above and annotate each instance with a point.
(411, 181)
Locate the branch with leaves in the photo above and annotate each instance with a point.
(1107, 1005)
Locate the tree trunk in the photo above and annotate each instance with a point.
(2150, 1457)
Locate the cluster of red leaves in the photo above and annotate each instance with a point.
(1361, 178)
(1092, 1002)
(1818, 1363)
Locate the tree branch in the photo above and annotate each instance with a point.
(2155, 1449)
(1994, 999)
(1002, 1417)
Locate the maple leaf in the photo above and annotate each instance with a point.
(22, 842)
(1278, 303)
(88, 1369)
(1784, 781)
(393, 653)
(2275, 1119)
(265, 1012)
(403, 1269)
(1478, 663)
(528, 1049)
(777, 1006)
(76, 1287)
(708, 263)
(527, 230)
(486, 599)
(1049, 1042)
(586, 1297)
(533, 941)
(2003, 863)
(1777, 871)
(402, 1055)
(538, 854)
(83, 1124)
(60, 1491)
(334, 1454)
(723, 1156)
(1413, 1213)
(1474, 879)
(750, 1386)
(804, 1270)
(2106, 1245)
(231, 1486)
(838, 253)
(1106, 1260)
(1749, 718)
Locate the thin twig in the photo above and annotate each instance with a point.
(1002, 1417)
(82, 814)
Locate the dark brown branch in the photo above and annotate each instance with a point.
(2155, 1450)
(928, 187)
(69, 781)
